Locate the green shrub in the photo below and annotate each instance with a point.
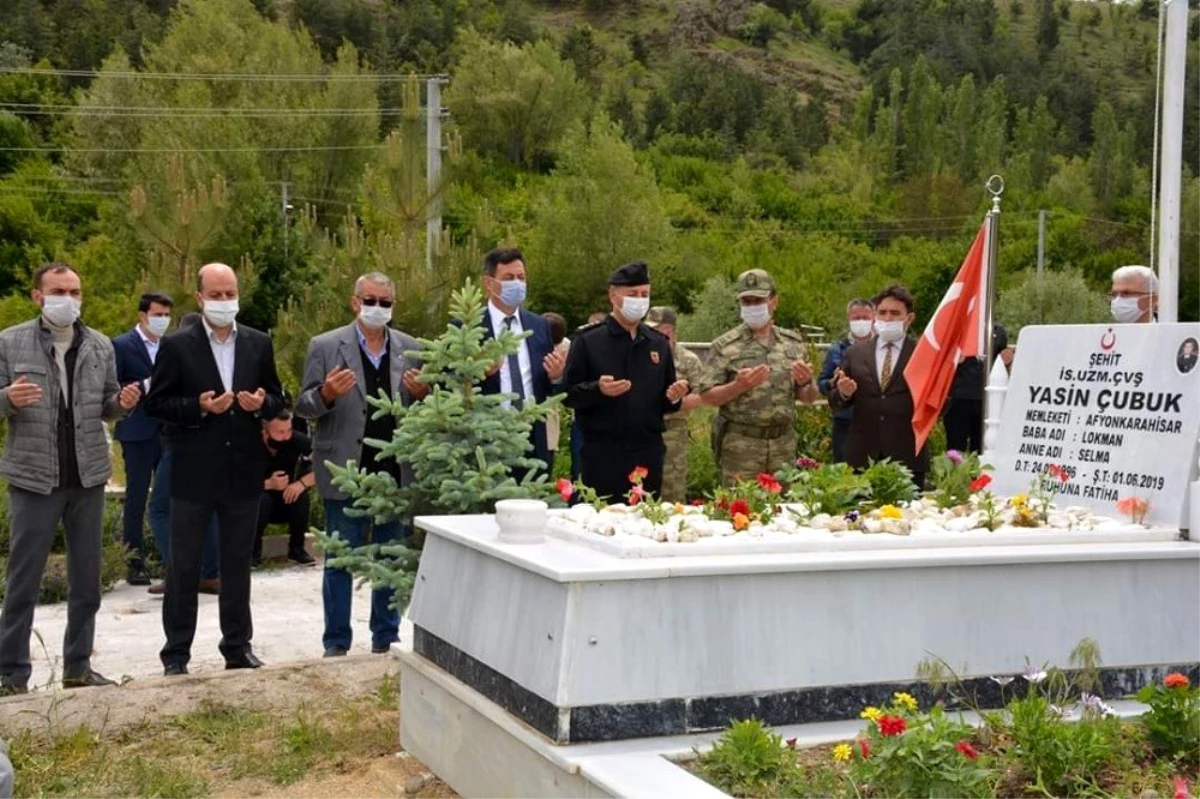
(891, 482)
(1173, 721)
(748, 758)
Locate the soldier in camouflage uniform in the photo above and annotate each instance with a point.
(687, 367)
(756, 372)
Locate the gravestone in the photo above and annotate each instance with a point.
(1116, 406)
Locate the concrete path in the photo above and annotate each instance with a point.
(288, 621)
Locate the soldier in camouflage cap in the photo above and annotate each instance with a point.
(687, 367)
(756, 372)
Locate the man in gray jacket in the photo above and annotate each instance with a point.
(58, 383)
(344, 367)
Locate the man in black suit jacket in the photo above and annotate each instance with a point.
(538, 365)
(141, 449)
(871, 379)
(213, 383)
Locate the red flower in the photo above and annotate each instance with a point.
(565, 489)
(1181, 788)
(739, 506)
(697, 503)
(892, 725)
(864, 747)
(1176, 680)
(769, 482)
(723, 503)
(639, 474)
(805, 462)
(981, 482)
(636, 494)
(967, 750)
(791, 743)
(1059, 473)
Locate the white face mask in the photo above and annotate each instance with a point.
(634, 309)
(220, 313)
(1125, 310)
(157, 325)
(890, 332)
(374, 317)
(861, 328)
(756, 316)
(61, 310)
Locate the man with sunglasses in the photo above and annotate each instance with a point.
(344, 367)
(1134, 295)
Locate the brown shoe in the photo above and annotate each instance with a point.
(158, 589)
(212, 586)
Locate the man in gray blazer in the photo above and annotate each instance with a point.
(343, 368)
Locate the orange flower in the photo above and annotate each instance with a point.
(1176, 680)
(740, 521)
(1133, 507)
(639, 474)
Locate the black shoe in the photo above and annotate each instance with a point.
(174, 670)
(381, 650)
(334, 652)
(302, 557)
(246, 660)
(137, 576)
(9, 688)
(256, 563)
(88, 679)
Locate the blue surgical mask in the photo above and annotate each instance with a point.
(512, 293)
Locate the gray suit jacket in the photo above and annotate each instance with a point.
(338, 429)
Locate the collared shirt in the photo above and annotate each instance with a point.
(506, 382)
(222, 352)
(362, 342)
(151, 350)
(881, 353)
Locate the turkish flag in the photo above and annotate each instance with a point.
(955, 332)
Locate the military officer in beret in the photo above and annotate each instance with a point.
(687, 367)
(756, 372)
(621, 382)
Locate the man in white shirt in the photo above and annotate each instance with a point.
(536, 370)
(141, 447)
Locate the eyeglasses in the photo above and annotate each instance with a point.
(1118, 294)
(373, 301)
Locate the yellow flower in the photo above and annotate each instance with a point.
(842, 752)
(891, 512)
(1019, 501)
(871, 713)
(906, 701)
(678, 507)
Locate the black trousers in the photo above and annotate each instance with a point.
(273, 510)
(841, 438)
(964, 425)
(236, 522)
(607, 464)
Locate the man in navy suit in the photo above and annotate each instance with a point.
(141, 449)
(537, 369)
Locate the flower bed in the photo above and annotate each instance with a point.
(814, 508)
(1052, 739)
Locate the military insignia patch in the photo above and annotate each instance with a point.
(654, 357)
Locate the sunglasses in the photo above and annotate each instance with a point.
(373, 301)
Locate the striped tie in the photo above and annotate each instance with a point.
(886, 376)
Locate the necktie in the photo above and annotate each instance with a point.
(514, 371)
(886, 376)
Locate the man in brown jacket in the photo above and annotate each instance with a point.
(871, 379)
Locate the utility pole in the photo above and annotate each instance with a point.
(284, 207)
(1170, 183)
(1041, 262)
(433, 166)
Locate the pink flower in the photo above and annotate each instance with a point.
(636, 494)
(955, 456)
(805, 462)
(769, 482)
(1181, 788)
(566, 489)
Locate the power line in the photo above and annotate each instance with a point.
(267, 77)
(129, 150)
(47, 109)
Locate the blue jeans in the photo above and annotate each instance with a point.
(338, 585)
(160, 521)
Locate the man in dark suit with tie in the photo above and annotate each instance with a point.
(871, 379)
(213, 383)
(141, 449)
(536, 370)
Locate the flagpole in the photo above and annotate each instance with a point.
(995, 187)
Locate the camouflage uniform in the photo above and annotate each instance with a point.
(755, 432)
(687, 367)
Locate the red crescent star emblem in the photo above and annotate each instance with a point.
(1108, 340)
